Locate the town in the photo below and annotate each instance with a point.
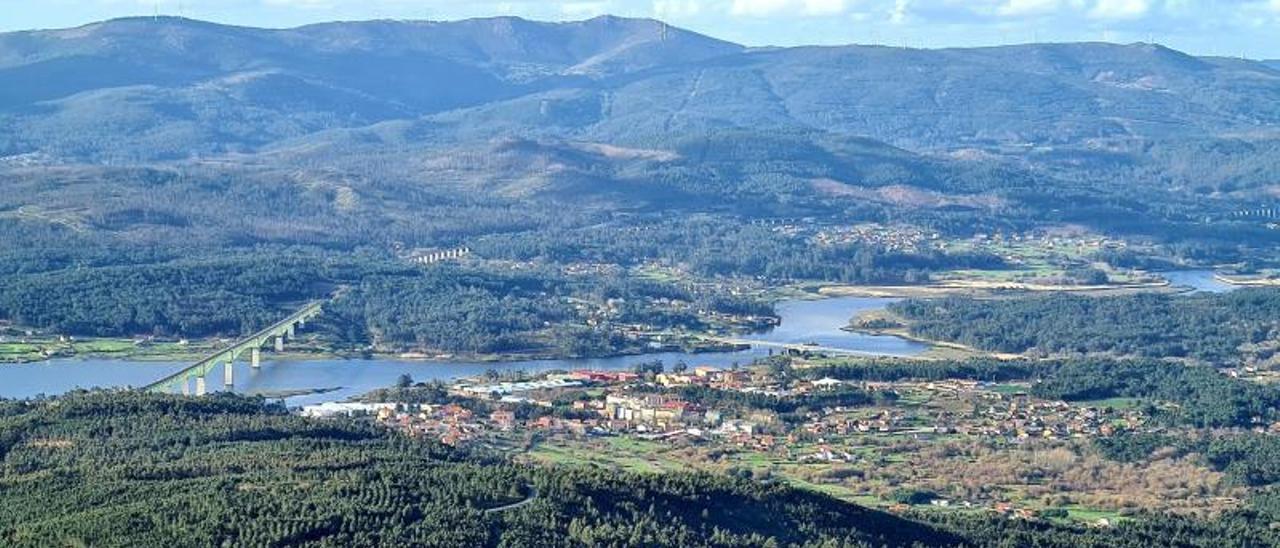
(774, 417)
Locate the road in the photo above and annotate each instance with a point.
(796, 346)
(230, 353)
(533, 495)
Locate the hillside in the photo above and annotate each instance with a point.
(204, 89)
(182, 87)
(149, 148)
(142, 469)
(325, 483)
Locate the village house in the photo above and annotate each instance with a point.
(504, 419)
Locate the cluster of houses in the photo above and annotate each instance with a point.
(622, 402)
(1016, 415)
(653, 406)
(712, 377)
(621, 409)
(893, 238)
(1021, 417)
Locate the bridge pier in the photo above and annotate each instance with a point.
(254, 343)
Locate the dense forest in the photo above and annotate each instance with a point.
(894, 369)
(719, 246)
(129, 469)
(1222, 329)
(376, 300)
(147, 259)
(1247, 457)
(1178, 394)
(136, 469)
(1202, 397)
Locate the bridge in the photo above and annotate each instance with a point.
(277, 332)
(1268, 212)
(796, 347)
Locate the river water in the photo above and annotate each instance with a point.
(1200, 281)
(803, 321)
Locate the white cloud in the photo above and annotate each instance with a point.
(761, 8)
(899, 13)
(309, 4)
(758, 8)
(584, 9)
(826, 7)
(1120, 9)
(676, 9)
(1018, 8)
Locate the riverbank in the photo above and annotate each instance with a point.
(1247, 281)
(37, 350)
(886, 323)
(304, 368)
(977, 288)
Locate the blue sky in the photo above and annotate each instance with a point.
(1214, 27)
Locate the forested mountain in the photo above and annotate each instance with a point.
(1221, 329)
(145, 469)
(139, 469)
(183, 87)
(1085, 123)
(129, 144)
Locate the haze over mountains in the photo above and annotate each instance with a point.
(633, 113)
(180, 87)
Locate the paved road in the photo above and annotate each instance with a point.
(533, 495)
(796, 346)
(244, 343)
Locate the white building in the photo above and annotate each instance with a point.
(333, 409)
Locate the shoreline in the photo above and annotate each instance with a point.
(805, 291)
(983, 289)
(903, 332)
(420, 357)
(801, 291)
(1246, 282)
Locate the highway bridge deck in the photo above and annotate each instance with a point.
(278, 331)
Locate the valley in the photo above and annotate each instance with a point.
(612, 282)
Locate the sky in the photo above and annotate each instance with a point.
(1248, 28)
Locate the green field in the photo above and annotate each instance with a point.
(41, 348)
(1114, 403)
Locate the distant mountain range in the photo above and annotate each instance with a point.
(151, 89)
(625, 113)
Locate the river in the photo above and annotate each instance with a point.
(803, 321)
(1199, 281)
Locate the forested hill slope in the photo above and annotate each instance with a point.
(176, 87)
(136, 151)
(134, 469)
(169, 88)
(130, 469)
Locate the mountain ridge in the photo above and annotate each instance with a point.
(140, 91)
(209, 89)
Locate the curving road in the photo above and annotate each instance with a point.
(533, 495)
